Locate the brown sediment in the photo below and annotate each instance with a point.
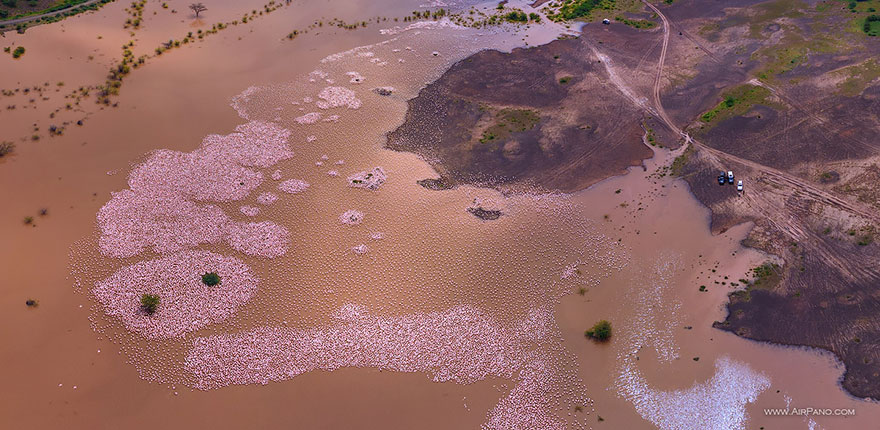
(543, 116)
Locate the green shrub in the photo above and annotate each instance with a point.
(149, 303)
(211, 279)
(573, 9)
(18, 52)
(601, 331)
(516, 16)
(6, 148)
(872, 25)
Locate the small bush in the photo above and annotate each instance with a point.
(872, 25)
(18, 52)
(601, 331)
(6, 148)
(516, 16)
(149, 303)
(211, 279)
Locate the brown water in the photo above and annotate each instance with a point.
(434, 255)
(663, 322)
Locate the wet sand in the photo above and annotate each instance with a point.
(433, 255)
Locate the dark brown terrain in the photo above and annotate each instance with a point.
(784, 93)
(542, 116)
(807, 149)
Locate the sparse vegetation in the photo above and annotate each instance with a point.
(600, 332)
(6, 148)
(681, 161)
(871, 27)
(510, 121)
(516, 16)
(766, 275)
(56, 10)
(18, 52)
(858, 77)
(574, 9)
(737, 102)
(435, 184)
(197, 8)
(635, 23)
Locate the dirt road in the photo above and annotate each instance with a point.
(722, 160)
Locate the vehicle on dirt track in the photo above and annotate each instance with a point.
(739, 185)
(730, 176)
(722, 179)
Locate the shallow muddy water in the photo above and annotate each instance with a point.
(407, 312)
(666, 361)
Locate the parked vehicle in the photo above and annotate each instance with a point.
(721, 179)
(730, 176)
(739, 185)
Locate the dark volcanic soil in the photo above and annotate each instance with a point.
(543, 116)
(808, 159)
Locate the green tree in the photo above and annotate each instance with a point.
(601, 331)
